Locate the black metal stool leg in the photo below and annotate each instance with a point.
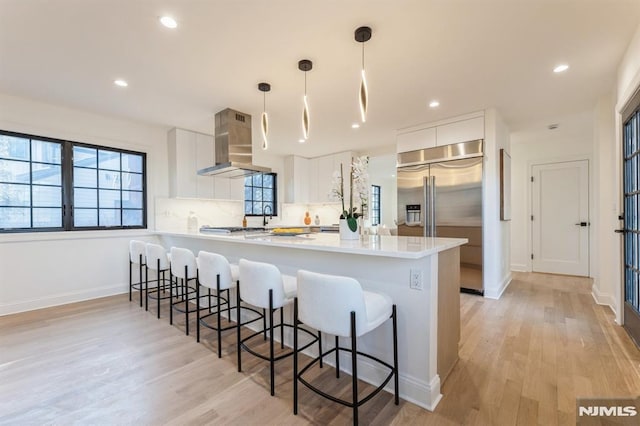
(282, 328)
(146, 287)
(337, 359)
(171, 297)
(130, 279)
(395, 356)
(219, 330)
(354, 368)
(158, 287)
(229, 304)
(264, 323)
(271, 352)
(140, 279)
(197, 306)
(295, 355)
(320, 347)
(239, 350)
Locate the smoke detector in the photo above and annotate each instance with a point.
(553, 126)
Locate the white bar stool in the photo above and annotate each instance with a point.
(157, 260)
(262, 285)
(185, 268)
(338, 305)
(137, 257)
(216, 273)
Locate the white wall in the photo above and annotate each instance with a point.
(45, 269)
(496, 244)
(627, 84)
(536, 144)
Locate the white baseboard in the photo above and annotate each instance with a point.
(519, 267)
(497, 293)
(61, 299)
(602, 298)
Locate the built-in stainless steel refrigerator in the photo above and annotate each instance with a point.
(440, 195)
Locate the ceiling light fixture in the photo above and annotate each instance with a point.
(168, 22)
(362, 35)
(434, 104)
(300, 140)
(305, 65)
(120, 83)
(264, 122)
(355, 126)
(561, 68)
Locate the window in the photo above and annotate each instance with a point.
(53, 185)
(375, 205)
(260, 194)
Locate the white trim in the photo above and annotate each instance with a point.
(497, 294)
(62, 299)
(520, 267)
(24, 237)
(603, 298)
(421, 126)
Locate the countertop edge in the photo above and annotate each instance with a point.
(441, 245)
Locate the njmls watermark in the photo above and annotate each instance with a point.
(607, 411)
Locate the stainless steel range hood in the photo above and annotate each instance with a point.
(234, 157)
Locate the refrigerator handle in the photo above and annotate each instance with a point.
(432, 206)
(427, 207)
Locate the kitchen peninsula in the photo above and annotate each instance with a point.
(421, 275)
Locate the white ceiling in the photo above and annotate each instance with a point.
(469, 54)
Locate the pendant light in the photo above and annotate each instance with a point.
(362, 35)
(305, 65)
(264, 122)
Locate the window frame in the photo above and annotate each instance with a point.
(67, 186)
(375, 195)
(274, 203)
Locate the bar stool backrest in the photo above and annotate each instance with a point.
(179, 259)
(325, 302)
(154, 253)
(256, 279)
(137, 248)
(209, 266)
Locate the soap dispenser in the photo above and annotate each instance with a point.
(192, 222)
(317, 220)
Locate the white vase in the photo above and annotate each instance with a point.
(346, 233)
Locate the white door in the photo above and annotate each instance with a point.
(560, 218)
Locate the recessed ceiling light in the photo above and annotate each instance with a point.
(301, 140)
(121, 83)
(355, 126)
(168, 22)
(561, 68)
(434, 104)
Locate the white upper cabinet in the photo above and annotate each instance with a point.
(189, 152)
(309, 180)
(460, 131)
(447, 132)
(297, 174)
(417, 139)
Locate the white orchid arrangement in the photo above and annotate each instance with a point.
(358, 190)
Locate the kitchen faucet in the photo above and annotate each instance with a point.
(264, 214)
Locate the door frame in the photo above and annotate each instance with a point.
(529, 195)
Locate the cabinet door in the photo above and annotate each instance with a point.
(204, 158)
(325, 174)
(418, 139)
(460, 131)
(314, 196)
(301, 180)
(186, 177)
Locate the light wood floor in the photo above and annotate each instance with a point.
(523, 360)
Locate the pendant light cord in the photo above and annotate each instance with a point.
(362, 55)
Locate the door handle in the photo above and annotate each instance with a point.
(619, 231)
(583, 224)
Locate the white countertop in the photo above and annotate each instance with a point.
(370, 245)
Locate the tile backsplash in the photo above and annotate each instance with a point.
(172, 213)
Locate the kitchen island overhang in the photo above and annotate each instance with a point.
(428, 317)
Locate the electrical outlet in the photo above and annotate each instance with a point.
(415, 279)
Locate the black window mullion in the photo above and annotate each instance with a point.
(30, 183)
(67, 186)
